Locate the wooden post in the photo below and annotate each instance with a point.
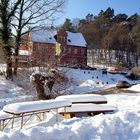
(0, 125)
(3, 124)
(21, 121)
(57, 114)
(13, 121)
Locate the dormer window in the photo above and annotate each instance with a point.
(69, 40)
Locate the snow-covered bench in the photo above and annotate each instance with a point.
(85, 103)
(22, 109)
(90, 109)
(84, 98)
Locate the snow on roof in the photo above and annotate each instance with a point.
(76, 39)
(47, 36)
(83, 98)
(24, 52)
(44, 35)
(23, 107)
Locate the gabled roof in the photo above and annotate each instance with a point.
(46, 35)
(76, 39)
(43, 35)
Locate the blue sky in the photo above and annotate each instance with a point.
(80, 8)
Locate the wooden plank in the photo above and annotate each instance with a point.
(68, 115)
(94, 102)
(92, 111)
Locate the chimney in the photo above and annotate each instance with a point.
(62, 37)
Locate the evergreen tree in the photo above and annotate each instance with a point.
(68, 25)
(120, 18)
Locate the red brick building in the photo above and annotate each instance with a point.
(41, 47)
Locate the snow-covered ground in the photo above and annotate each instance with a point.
(123, 124)
(93, 80)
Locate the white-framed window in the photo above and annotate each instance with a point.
(75, 51)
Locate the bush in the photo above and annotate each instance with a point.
(136, 71)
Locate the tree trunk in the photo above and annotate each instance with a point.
(8, 58)
(38, 81)
(9, 73)
(16, 61)
(41, 93)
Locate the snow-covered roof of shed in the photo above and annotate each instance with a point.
(47, 36)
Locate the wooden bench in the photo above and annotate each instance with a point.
(88, 109)
(84, 98)
(22, 109)
(85, 104)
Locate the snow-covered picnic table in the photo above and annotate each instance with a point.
(22, 109)
(85, 103)
(67, 104)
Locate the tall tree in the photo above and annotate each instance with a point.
(135, 34)
(108, 13)
(7, 14)
(133, 20)
(120, 18)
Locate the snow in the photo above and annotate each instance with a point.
(83, 98)
(4, 115)
(129, 101)
(44, 35)
(135, 88)
(123, 124)
(76, 39)
(24, 52)
(87, 81)
(23, 107)
(10, 93)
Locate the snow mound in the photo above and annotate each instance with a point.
(135, 88)
(101, 127)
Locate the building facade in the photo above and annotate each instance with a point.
(42, 47)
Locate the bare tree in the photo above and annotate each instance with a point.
(7, 11)
(31, 14)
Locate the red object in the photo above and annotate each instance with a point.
(23, 47)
